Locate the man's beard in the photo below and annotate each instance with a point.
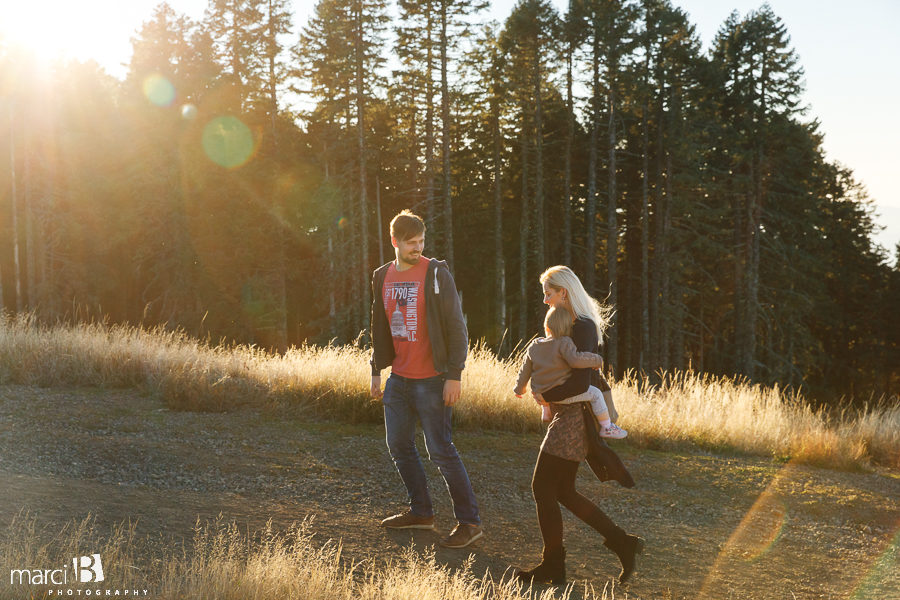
(410, 259)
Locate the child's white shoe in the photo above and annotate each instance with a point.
(612, 431)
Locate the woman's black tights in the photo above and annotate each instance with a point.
(554, 484)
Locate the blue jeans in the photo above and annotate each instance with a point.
(405, 401)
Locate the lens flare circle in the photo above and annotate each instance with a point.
(189, 112)
(159, 90)
(228, 142)
(884, 569)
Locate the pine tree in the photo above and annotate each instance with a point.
(276, 24)
(610, 28)
(236, 28)
(763, 82)
(418, 43)
(454, 28)
(342, 52)
(528, 40)
(573, 33)
(486, 160)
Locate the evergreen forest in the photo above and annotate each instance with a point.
(238, 181)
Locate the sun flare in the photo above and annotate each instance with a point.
(52, 29)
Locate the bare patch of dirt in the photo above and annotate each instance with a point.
(716, 526)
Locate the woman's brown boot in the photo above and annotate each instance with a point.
(551, 570)
(626, 547)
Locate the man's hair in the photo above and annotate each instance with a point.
(558, 322)
(406, 225)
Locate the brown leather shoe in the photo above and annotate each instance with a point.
(462, 535)
(408, 520)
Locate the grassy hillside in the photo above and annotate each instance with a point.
(187, 374)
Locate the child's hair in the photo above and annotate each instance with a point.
(558, 322)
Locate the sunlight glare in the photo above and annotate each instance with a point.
(757, 533)
(52, 29)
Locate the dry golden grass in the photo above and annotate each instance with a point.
(713, 412)
(718, 412)
(23, 546)
(225, 564)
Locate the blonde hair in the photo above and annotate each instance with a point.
(558, 323)
(561, 277)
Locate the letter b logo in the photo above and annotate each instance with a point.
(88, 569)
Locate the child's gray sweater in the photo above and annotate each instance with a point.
(549, 362)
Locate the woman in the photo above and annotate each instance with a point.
(568, 442)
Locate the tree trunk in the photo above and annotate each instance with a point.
(429, 127)
(665, 293)
(701, 336)
(657, 306)
(738, 201)
(28, 197)
(590, 215)
(539, 225)
(415, 191)
(741, 259)
(445, 142)
(378, 223)
(273, 94)
(364, 271)
(281, 334)
(500, 264)
(612, 240)
(523, 236)
(332, 305)
(678, 355)
(47, 242)
(332, 280)
(281, 275)
(754, 215)
(570, 136)
(15, 210)
(644, 359)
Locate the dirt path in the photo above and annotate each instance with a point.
(716, 526)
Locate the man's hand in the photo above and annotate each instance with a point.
(452, 389)
(375, 390)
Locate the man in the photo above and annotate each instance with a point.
(418, 330)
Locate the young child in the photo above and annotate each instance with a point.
(550, 360)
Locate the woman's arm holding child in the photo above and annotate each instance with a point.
(584, 334)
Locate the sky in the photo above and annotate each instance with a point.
(850, 53)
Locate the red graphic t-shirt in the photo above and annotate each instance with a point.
(404, 302)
